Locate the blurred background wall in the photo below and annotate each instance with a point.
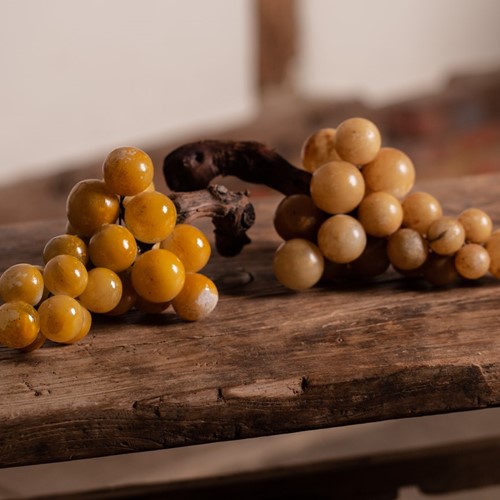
(388, 50)
(80, 78)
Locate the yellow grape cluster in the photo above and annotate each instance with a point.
(122, 250)
(361, 217)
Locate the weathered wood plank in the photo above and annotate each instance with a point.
(267, 361)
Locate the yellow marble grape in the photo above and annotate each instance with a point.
(103, 292)
(337, 187)
(298, 264)
(114, 247)
(65, 275)
(128, 171)
(197, 299)
(22, 282)
(90, 205)
(158, 275)
(61, 318)
(318, 149)
(341, 239)
(19, 324)
(150, 216)
(190, 245)
(357, 140)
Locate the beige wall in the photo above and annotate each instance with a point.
(79, 78)
(385, 50)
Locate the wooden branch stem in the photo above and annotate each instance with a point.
(231, 212)
(192, 166)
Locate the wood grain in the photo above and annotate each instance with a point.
(267, 361)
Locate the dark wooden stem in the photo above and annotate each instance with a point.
(192, 166)
(232, 215)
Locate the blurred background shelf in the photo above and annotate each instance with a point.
(450, 133)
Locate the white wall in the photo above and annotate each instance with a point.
(385, 50)
(79, 78)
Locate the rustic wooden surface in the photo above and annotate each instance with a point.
(267, 361)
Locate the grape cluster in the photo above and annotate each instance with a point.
(361, 217)
(122, 249)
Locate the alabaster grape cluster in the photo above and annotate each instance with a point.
(361, 217)
(122, 250)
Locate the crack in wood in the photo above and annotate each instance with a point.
(220, 394)
(35, 391)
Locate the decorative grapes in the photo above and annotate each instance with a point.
(127, 171)
(90, 205)
(318, 149)
(158, 275)
(22, 282)
(150, 216)
(359, 211)
(353, 199)
(108, 265)
(298, 264)
(114, 247)
(357, 140)
(197, 298)
(337, 187)
(349, 212)
(19, 324)
(190, 245)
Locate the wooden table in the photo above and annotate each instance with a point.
(268, 361)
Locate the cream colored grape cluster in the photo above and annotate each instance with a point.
(361, 217)
(123, 249)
